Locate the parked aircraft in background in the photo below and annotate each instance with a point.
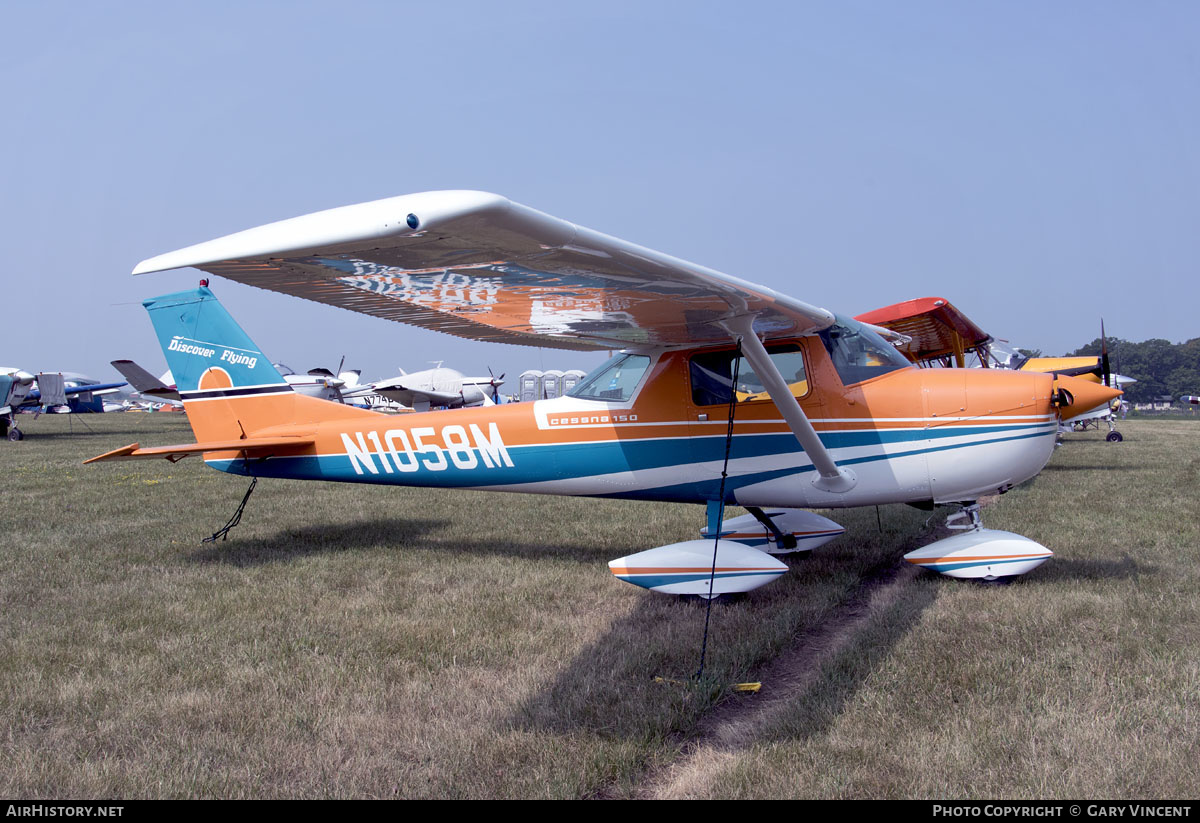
(941, 335)
(48, 391)
(1095, 369)
(15, 385)
(433, 388)
(317, 383)
(726, 392)
(938, 333)
(320, 382)
(161, 389)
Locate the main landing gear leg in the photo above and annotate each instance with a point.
(782, 541)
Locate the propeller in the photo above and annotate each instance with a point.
(1104, 364)
(496, 383)
(337, 388)
(332, 381)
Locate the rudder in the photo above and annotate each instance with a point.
(198, 335)
(213, 361)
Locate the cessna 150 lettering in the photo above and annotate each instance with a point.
(724, 392)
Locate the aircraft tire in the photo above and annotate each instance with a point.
(1114, 437)
(15, 434)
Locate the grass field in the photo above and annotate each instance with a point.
(363, 641)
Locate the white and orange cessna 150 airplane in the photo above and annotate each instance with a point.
(799, 407)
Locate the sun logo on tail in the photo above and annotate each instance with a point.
(215, 378)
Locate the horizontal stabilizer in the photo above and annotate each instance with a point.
(253, 447)
(143, 381)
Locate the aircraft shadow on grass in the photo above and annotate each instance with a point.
(393, 535)
(46, 430)
(609, 688)
(839, 679)
(1064, 568)
(1051, 469)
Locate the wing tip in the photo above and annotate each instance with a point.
(358, 222)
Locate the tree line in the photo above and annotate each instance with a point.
(1160, 367)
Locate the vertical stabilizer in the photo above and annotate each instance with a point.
(201, 340)
(225, 381)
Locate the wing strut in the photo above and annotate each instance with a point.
(833, 478)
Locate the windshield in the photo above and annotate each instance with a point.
(1007, 358)
(858, 353)
(613, 381)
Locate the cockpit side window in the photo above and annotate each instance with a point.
(614, 381)
(858, 353)
(712, 375)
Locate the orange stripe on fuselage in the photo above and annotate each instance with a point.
(904, 399)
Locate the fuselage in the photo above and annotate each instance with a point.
(909, 435)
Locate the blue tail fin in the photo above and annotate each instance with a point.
(205, 348)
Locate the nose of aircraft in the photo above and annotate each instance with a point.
(1085, 394)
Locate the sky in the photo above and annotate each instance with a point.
(1038, 164)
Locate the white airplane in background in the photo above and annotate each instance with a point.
(320, 382)
(436, 387)
(15, 385)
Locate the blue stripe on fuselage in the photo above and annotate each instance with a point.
(551, 462)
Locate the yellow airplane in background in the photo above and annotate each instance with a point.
(940, 335)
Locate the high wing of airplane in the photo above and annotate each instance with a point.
(80, 392)
(725, 392)
(21, 390)
(938, 332)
